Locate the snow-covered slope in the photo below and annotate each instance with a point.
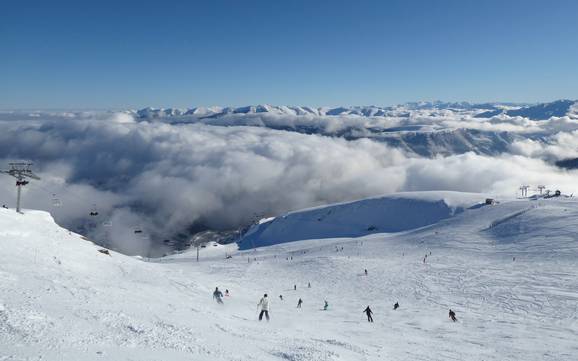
(387, 214)
(61, 299)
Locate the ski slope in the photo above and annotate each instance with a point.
(61, 299)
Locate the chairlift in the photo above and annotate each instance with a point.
(55, 201)
(94, 211)
(169, 242)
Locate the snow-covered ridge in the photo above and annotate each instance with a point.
(386, 214)
(544, 111)
(362, 111)
(486, 110)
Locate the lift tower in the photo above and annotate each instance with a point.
(21, 171)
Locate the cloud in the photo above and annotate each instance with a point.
(168, 180)
(562, 145)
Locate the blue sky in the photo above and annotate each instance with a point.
(120, 54)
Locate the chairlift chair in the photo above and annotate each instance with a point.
(55, 201)
(94, 211)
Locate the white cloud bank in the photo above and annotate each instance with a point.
(168, 179)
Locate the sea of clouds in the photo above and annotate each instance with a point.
(172, 179)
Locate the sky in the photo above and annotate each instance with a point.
(132, 54)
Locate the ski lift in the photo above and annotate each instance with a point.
(94, 211)
(55, 201)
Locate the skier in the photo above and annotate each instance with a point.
(325, 306)
(396, 306)
(281, 297)
(299, 303)
(264, 304)
(294, 287)
(217, 295)
(368, 312)
(453, 315)
(308, 284)
(227, 293)
(366, 271)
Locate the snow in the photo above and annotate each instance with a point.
(390, 213)
(540, 111)
(61, 299)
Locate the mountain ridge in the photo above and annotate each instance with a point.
(539, 111)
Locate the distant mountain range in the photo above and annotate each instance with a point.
(541, 111)
(426, 129)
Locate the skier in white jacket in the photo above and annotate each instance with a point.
(264, 304)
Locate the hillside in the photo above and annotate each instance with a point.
(387, 214)
(61, 299)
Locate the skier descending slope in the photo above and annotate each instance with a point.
(325, 306)
(452, 315)
(264, 304)
(368, 312)
(217, 295)
(396, 306)
(299, 303)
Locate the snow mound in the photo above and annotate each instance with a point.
(387, 214)
(33, 238)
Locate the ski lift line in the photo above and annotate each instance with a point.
(67, 193)
(93, 211)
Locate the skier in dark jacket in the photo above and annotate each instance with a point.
(217, 295)
(299, 303)
(368, 312)
(452, 315)
(396, 306)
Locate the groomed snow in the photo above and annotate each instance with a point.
(61, 299)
